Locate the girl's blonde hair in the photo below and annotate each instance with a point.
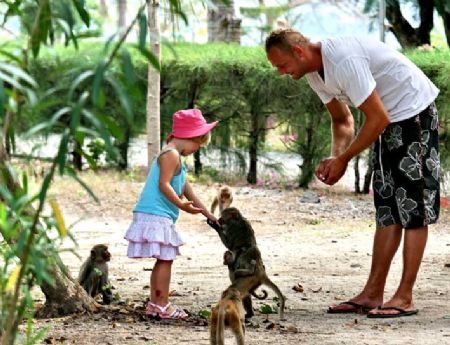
(203, 140)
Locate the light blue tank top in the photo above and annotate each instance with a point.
(154, 202)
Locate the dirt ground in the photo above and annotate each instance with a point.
(325, 247)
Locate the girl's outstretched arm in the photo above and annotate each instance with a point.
(190, 195)
(169, 164)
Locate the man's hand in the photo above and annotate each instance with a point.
(330, 170)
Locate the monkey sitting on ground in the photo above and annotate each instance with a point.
(243, 258)
(223, 199)
(93, 275)
(228, 313)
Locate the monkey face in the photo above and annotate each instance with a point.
(228, 258)
(106, 255)
(230, 214)
(100, 253)
(236, 229)
(224, 195)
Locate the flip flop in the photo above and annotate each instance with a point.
(357, 308)
(401, 312)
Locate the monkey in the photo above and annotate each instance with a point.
(228, 313)
(247, 273)
(223, 199)
(234, 230)
(243, 258)
(241, 264)
(93, 275)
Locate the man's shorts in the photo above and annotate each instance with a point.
(406, 172)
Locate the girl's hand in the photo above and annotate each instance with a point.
(210, 216)
(188, 207)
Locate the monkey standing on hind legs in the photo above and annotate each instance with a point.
(247, 273)
(223, 199)
(243, 258)
(228, 313)
(93, 275)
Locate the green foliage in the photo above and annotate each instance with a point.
(233, 84)
(205, 313)
(436, 66)
(65, 98)
(271, 11)
(268, 309)
(28, 255)
(96, 148)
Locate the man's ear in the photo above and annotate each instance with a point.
(299, 51)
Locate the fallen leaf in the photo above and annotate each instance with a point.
(270, 326)
(298, 288)
(292, 329)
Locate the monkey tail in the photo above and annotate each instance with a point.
(263, 296)
(281, 298)
(220, 332)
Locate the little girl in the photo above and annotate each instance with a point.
(152, 234)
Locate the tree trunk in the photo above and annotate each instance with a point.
(443, 9)
(222, 25)
(123, 147)
(265, 21)
(121, 13)
(308, 166)
(402, 29)
(154, 78)
(198, 166)
(103, 9)
(357, 175)
(76, 156)
(426, 21)
(65, 297)
(253, 149)
(446, 19)
(253, 154)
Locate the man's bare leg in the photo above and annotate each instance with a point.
(413, 248)
(385, 245)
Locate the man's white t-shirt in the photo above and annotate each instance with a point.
(354, 67)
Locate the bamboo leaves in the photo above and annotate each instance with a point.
(41, 26)
(61, 226)
(12, 280)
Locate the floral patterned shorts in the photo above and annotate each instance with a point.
(407, 169)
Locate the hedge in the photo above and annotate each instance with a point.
(228, 82)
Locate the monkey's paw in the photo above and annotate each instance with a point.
(214, 225)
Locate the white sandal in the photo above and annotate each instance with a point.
(157, 310)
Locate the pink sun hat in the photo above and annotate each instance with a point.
(190, 123)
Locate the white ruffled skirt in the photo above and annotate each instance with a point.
(151, 236)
